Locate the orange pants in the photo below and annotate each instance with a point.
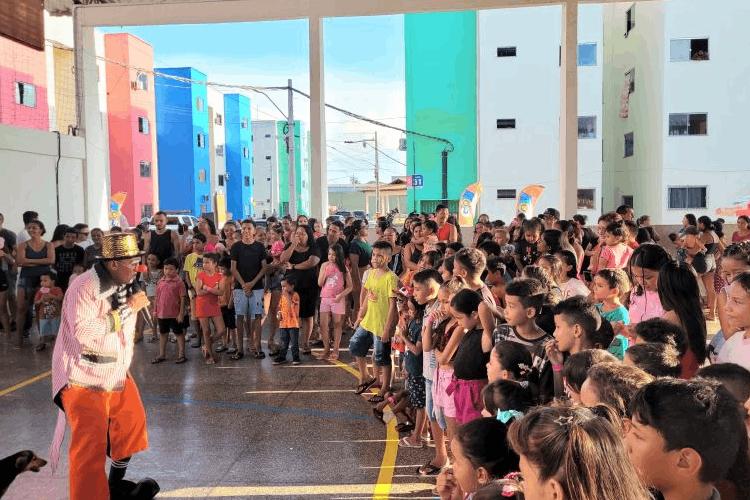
(102, 424)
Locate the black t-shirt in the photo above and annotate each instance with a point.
(322, 244)
(364, 250)
(527, 252)
(10, 238)
(306, 278)
(470, 361)
(65, 259)
(250, 259)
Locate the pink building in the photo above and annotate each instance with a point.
(132, 127)
(23, 85)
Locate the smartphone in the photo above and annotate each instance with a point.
(587, 275)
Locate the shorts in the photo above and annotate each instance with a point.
(330, 305)
(440, 398)
(167, 324)
(29, 284)
(248, 305)
(229, 317)
(4, 281)
(361, 342)
(308, 299)
(467, 395)
(417, 394)
(49, 327)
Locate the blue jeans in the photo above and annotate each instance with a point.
(287, 335)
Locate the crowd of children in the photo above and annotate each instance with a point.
(541, 357)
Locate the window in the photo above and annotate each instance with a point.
(687, 197)
(202, 175)
(26, 94)
(630, 77)
(629, 145)
(630, 20)
(145, 168)
(219, 120)
(147, 210)
(141, 81)
(268, 179)
(199, 103)
(506, 52)
(627, 200)
(201, 140)
(506, 194)
(586, 199)
(245, 153)
(587, 127)
(695, 49)
(267, 136)
(506, 123)
(143, 125)
(688, 124)
(243, 123)
(268, 157)
(587, 54)
(247, 181)
(221, 180)
(220, 150)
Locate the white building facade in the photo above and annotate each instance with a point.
(265, 167)
(217, 140)
(518, 106)
(683, 118)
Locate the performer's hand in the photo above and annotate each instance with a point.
(138, 301)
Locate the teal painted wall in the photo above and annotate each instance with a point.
(441, 100)
(283, 163)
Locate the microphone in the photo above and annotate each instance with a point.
(135, 287)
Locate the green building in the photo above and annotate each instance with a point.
(441, 100)
(301, 164)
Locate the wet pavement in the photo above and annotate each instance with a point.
(237, 429)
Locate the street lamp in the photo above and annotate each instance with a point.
(377, 167)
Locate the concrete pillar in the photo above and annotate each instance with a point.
(569, 110)
(92, 124)
(318, 167)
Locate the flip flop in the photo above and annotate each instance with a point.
(377, 398)
(404, 443)
(180, 360)
(158, 360)
(429, 469)
(364, 386)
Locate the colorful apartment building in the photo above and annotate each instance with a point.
(23, 85)
(239, 156)
(132, 129)
(182, 137)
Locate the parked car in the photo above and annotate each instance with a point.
(335, 217)
(174, 220)
(360, 215)
(344, 214)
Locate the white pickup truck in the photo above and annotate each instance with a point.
(174, 220)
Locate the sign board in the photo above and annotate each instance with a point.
(415, 181)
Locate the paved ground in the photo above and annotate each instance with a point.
(239, 429)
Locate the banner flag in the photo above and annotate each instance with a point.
(467, 204)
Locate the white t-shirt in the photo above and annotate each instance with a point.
(574, 287)
(736, 350)
(23, 235)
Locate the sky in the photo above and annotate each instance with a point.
(364, 65)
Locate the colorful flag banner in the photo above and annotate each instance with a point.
(116, 201)
(527, 198)
(467, 204)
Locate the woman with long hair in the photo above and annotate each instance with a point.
(714, 247)
(680, 297)
(360, 253)
(34, 258)
(743, 229)
(207, 227)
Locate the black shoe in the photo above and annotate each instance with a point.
(316, 343)
(196, 344)
(296, 361)
(259, 355)
(146, 489)
(279, 361)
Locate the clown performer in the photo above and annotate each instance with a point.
(90, 381)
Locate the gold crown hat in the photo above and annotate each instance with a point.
(117, 246)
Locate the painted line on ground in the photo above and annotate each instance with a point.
(24, 383)
(385, 476)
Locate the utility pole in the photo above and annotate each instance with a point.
(290, 136)
(377, 167)
(377, 178)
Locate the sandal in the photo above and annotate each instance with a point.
(157, 360)
(333, 357)
(377, 398)
(405, 427)
(429, 469)
(404, 443)
(364, 386)
(180, 360)
(323, 356)
(306, 351)
(259, 355)
(378, 415)
(237, 356)
(210, 361)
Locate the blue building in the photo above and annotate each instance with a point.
(182, 141)
(239, 156)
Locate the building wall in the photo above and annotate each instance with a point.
(34, 152)
(346, 197)
(283, 167)
(184, 173)
(20, 63)
(265, 167)
(527, 88)
(126, 104)
(441, 100)
(217, 140)
(238, 138)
